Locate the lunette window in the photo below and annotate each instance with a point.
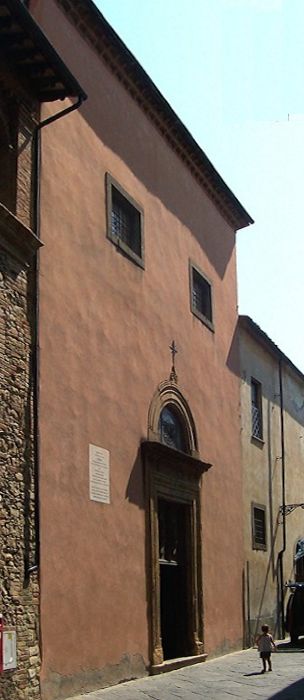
(256, 410)
(201, 296)
(124, 222)
(258, 514)
(171, 429)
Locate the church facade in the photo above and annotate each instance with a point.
(140, 481)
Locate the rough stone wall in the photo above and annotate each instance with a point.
(19, 601)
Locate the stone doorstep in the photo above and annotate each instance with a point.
(173, 664)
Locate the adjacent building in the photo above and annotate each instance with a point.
(31, 73)
(272, 436)
(140, 472)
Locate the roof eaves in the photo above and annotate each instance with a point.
(247, 323)
(31, 56)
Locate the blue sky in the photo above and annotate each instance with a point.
(233, 70)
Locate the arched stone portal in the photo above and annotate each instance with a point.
(173, 471)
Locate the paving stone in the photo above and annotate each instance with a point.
(233, 676)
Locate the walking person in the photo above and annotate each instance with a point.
(265, 646)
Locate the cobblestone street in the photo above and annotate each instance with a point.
(233, 676)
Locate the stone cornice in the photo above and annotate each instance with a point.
(16, 238)
(157, 451)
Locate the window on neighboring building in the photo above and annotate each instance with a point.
(256, 410)
(258, 514)
(124, 222)
(201, 296)
(172, 431)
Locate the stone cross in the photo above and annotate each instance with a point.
(174, 351)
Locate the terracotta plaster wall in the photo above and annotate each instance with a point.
(105, 329)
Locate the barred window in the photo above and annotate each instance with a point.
(256, 410)
(258, 514)
(201, 296)
(124, 222)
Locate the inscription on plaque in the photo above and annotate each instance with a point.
(99, 461)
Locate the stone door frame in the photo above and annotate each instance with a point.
(173, 475)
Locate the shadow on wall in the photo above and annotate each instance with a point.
(273, 572)
(121, 126)
(135, 493)
(294, 408)
(10, 268)
(146, 156)
(135, 488)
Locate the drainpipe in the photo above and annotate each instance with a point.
(248, 640)
(281, 553)
(35, 351)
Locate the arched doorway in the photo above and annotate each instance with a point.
(173, 472)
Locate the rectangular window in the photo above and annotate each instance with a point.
(258, 514)
(201, 296)
(124, 222)
(256, 410)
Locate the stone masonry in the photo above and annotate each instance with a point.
(19, 589)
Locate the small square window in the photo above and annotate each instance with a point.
(258, 515)
(201, 296)
(124, 222)
(256, 410)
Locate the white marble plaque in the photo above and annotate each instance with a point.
(9, 650)
(99, 462)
